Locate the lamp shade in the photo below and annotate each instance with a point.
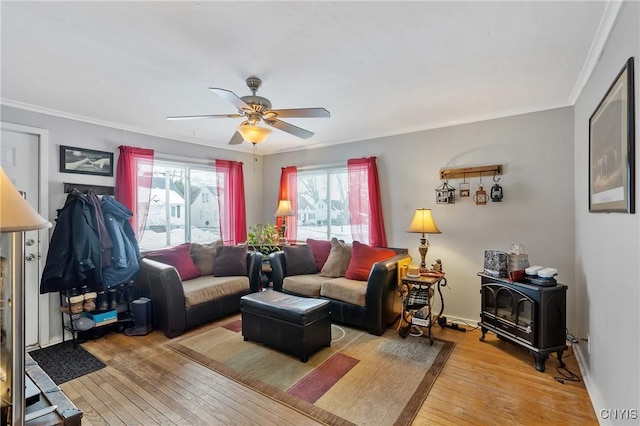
(253, 134)
(15, 213)
(423, 223)
(284, 209)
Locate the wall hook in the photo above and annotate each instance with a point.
(494, 178)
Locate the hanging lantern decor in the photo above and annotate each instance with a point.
(496, 191)
(445, 194)
(480, 197)
(465, 188)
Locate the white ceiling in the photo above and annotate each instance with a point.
(380, 68)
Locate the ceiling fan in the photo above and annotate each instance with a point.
(255, 109)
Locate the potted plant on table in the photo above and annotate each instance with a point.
(264, 238)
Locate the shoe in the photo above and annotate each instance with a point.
(102, 304)
(120, 299)
(90, 301)
(83, 324)
(113, 303)
(136, 331)
(75, 303)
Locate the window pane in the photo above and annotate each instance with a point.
(191, 213)
(323, 210)
(204, 214)
(339, 223)
(165, 225)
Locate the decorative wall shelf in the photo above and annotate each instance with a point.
(469, 172)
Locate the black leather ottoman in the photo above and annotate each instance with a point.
(296, 325)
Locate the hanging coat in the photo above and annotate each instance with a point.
(103, 235)
(125, 253)
(74, 256)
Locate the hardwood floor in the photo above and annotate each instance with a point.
(490, 382)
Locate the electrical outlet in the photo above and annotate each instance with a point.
(588, 344)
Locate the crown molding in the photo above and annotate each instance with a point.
(119, 126)
(609, 17)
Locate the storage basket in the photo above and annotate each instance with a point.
(496, 263)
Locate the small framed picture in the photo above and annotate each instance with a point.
(85, 161)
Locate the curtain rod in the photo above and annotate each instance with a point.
(184, 159)
(323, 166)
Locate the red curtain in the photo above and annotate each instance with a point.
(134, 175)
(289, 191)
(365, 205)
(231, 203)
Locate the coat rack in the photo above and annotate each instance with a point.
(467, 172)
(98, 189)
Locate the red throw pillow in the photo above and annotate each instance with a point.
(321, 250)
(362, 259)
(180, 258)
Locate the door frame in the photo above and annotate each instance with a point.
(43, 209)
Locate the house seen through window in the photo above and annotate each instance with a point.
(323, 204)
(183, 206)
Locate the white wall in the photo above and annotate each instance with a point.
(63, 131)
(607, 245)
(537, 153)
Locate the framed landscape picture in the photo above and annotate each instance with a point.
(611, 148)
(85, 161)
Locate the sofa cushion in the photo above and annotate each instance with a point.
(338, 260)
(206, 288)
(362, 259)
(179, 258)
(321, 250)
(346, 290)
(299, 260)
(304, 285)
(203, 256)
(230, 261)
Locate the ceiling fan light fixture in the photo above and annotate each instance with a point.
(254, 134)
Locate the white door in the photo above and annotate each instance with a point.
(19, 154)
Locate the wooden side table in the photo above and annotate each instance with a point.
(416, 294)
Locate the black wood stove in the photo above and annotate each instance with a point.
(530, 315)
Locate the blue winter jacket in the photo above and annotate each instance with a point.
(124, 263)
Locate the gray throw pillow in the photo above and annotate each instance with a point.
(230, 261)
(204, 255)
(338, 260)
(299, 260)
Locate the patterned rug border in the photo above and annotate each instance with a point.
(409, 412)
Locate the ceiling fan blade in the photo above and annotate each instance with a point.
(231, 97)
(236, 139)
(189, 117)
(300, 112)
(289, 128)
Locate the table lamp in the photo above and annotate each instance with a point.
(284, 210)
(16, 217)
(423, 223)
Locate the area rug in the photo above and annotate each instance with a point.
(64, 362)
(360, 379)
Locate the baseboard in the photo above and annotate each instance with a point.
(592, 390)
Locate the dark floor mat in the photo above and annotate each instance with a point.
(63, 362)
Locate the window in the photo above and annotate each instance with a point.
(323, 204)
(177, 212)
